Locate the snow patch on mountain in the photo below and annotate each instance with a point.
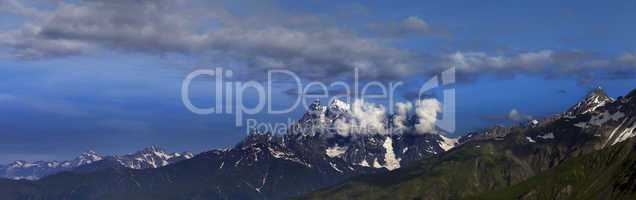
(335, 168)
(547, 136)
(151, 157)
(335, 151)
(626, 134)
(376, 164)
(601, 119)
(448, 143)
(390, 160)
(530, 140)
(364, 163)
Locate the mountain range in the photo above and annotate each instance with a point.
(585, 152)
(151, 157)
(310, 156)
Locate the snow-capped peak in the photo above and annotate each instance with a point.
(87, 158)
(595, 99)
(18, 163)
(151, 157)
(337, 104)
(316, 106)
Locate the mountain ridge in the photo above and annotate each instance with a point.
(142, 159)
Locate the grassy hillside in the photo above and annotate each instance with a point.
(607, 174)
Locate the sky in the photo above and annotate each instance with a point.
(107, 75)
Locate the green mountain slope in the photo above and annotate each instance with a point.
(607, 174)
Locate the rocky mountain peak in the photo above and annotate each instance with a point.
(255, 138)
(87, 158)
(152, 149)
(593, 100)
(316, 106)
(337, 104)
(630, 95)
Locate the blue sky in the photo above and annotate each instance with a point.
(106, 75)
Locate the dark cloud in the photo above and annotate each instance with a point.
(159, 27)
(277, 39)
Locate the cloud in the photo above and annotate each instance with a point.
(516, 116)
(408, 27)
(274, 39)
(370, 118)
(426, 111)
(401, 114)
(366, 118)
(628, 58)
(513, 115)
(161, 27)
(547, 63)
(70, 29)
(14, 6)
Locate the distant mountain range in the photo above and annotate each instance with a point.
(585, 152)
(152, 157)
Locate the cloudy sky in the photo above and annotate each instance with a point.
(106, 75)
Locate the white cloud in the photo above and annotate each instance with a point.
(370, 118)
(366, 118)
(426, 110)
(416, 24)
(401, 117)
(515, 115)
(547, 63)
(407, 27)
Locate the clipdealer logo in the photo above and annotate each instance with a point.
(230, 94)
